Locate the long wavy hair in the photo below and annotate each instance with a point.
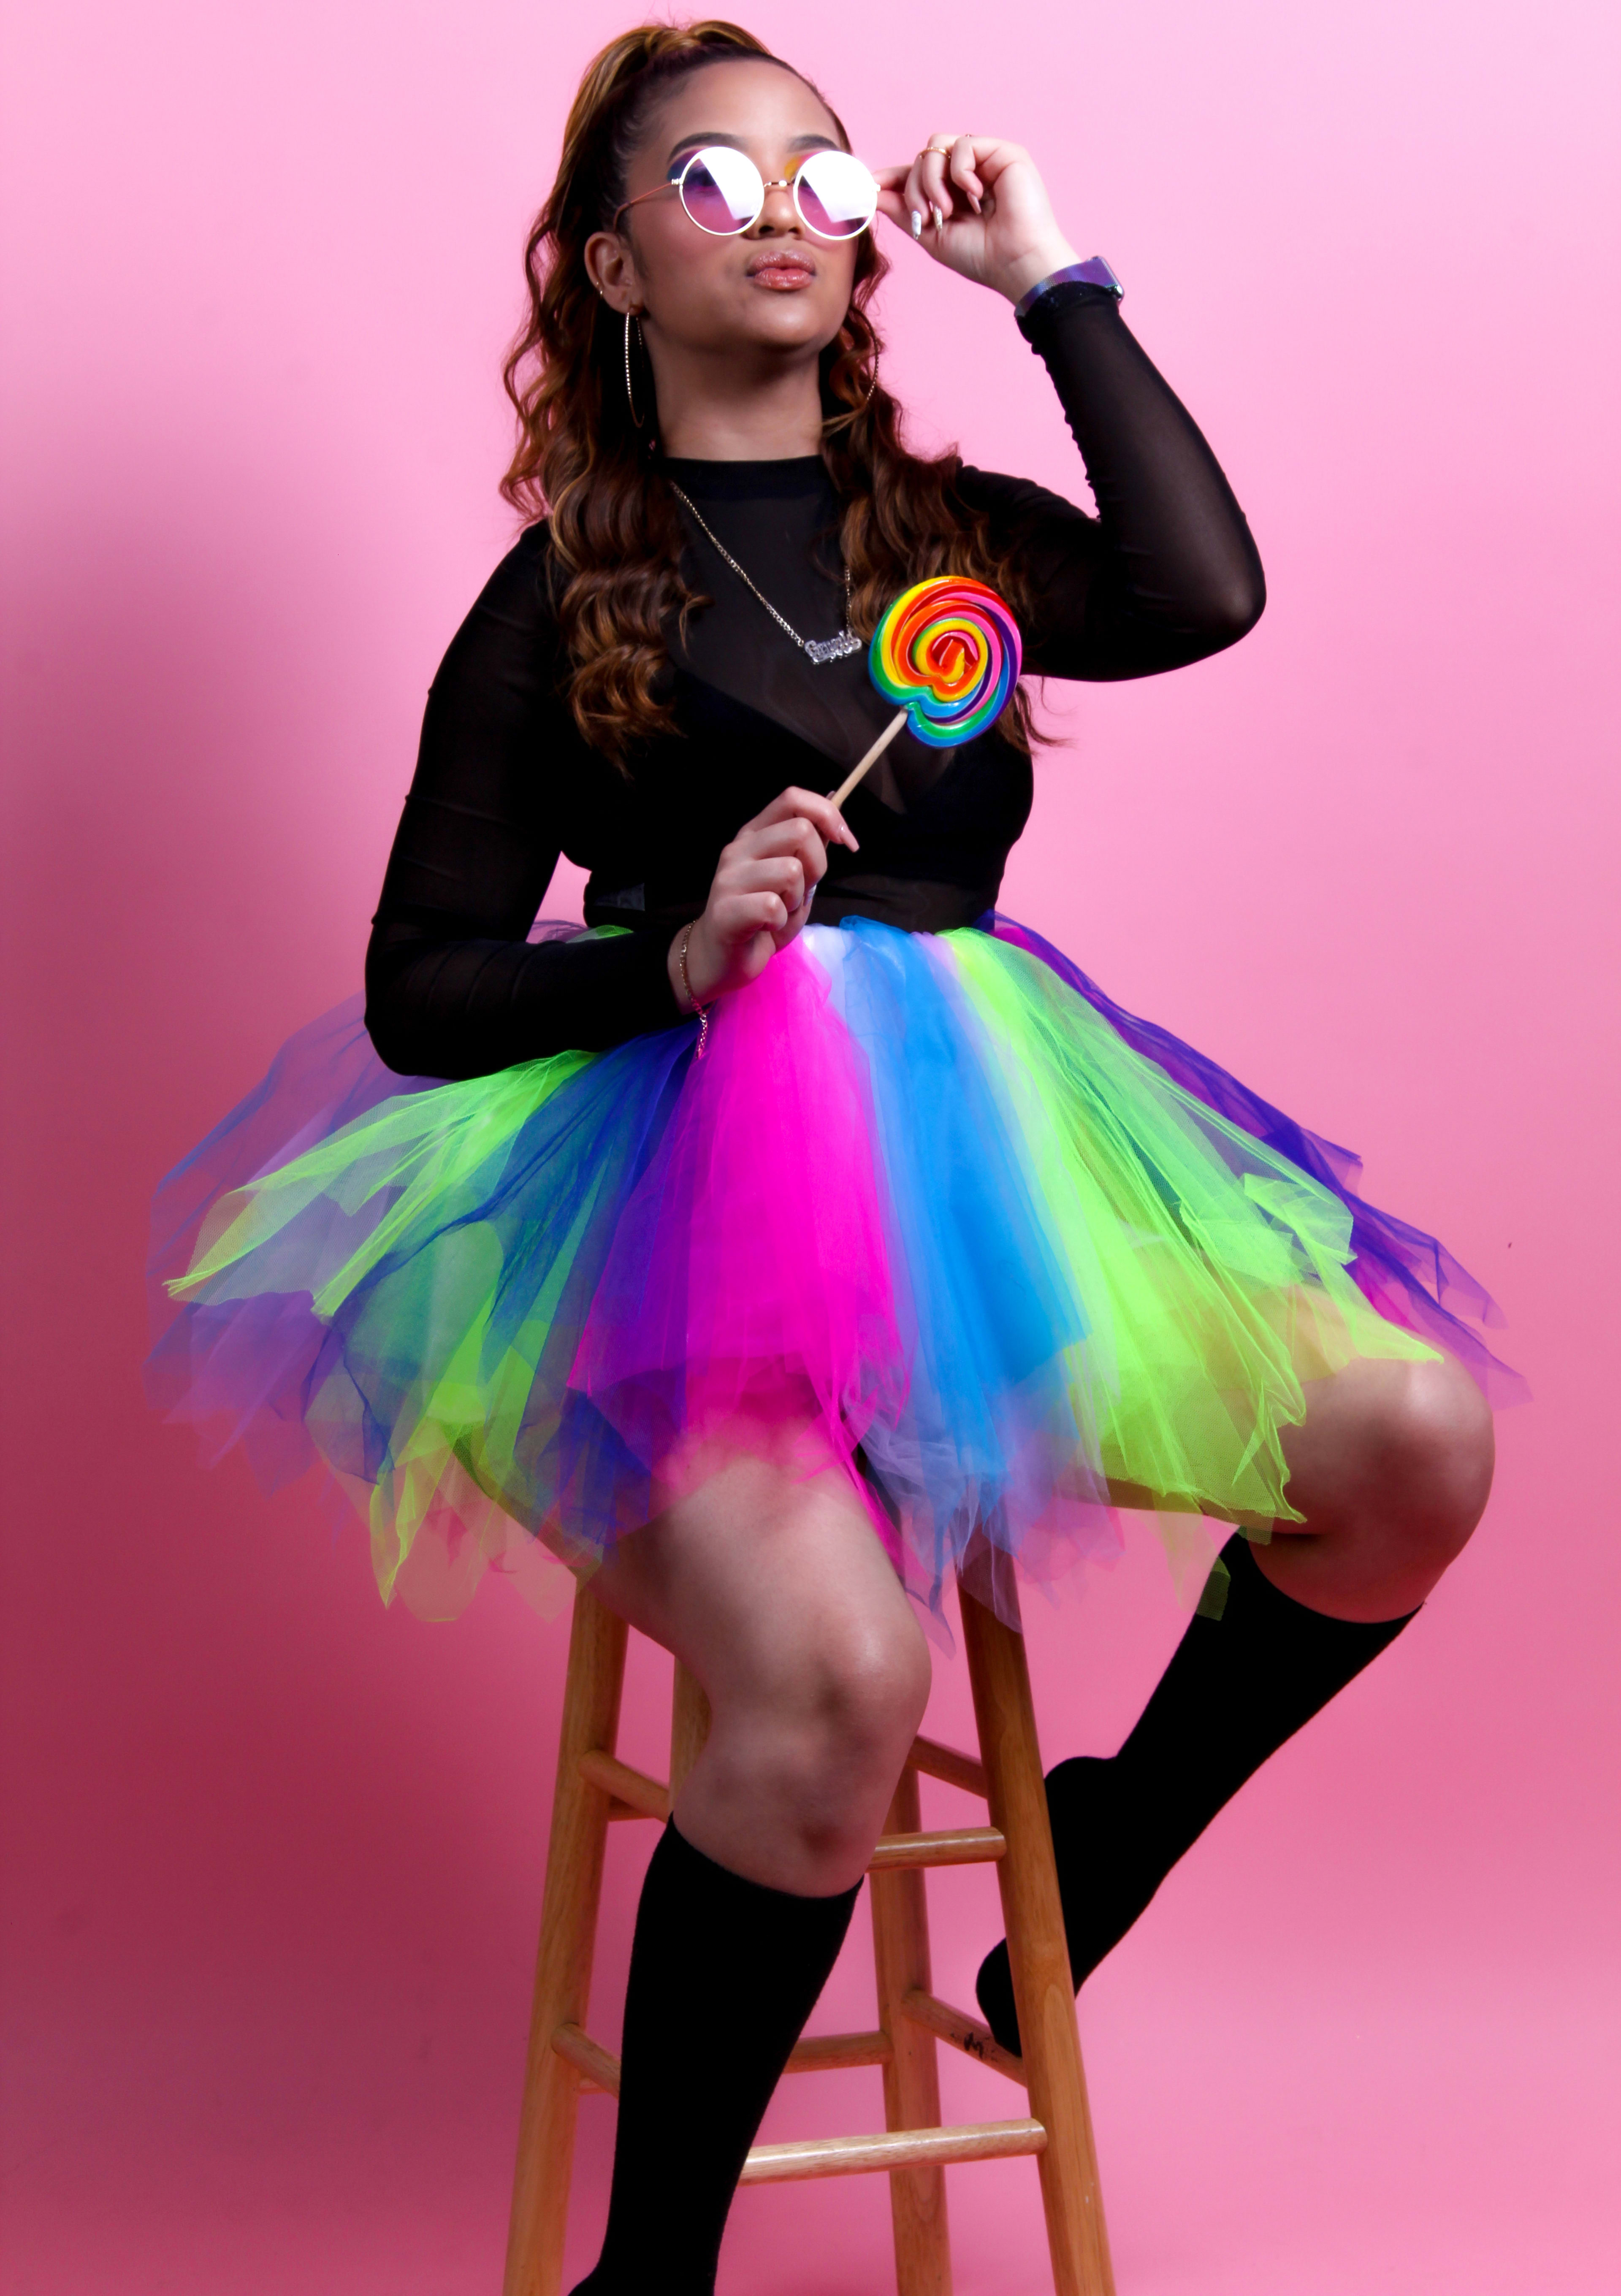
(581, 461)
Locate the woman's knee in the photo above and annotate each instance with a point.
(857, 1688)
(828, 1718)
(779, 1596)
(1432, 1438)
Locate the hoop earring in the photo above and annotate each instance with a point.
(639, 421)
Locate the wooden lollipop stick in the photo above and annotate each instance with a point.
(871, 758)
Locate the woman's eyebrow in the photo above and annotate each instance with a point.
(807, 142)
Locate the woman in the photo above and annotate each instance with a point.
(801, 1230)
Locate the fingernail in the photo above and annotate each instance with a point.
(974, 202)
(938, 216)
(917, 225)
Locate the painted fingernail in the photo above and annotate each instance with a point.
(917, 225)
(938, 216)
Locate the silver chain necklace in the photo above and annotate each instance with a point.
(817, 650)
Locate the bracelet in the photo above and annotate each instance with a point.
(700, 1010)
(1093, 273)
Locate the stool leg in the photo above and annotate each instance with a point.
(568, 1938)
(911, 2078)
(1042, 1988)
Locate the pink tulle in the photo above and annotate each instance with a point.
(747, 1303)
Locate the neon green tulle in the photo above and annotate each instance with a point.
(1213, 1271)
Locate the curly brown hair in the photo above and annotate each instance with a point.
(615, 538)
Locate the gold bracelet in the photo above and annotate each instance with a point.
(700, 1010)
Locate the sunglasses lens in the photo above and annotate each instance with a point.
(722, 190)
(836, 195)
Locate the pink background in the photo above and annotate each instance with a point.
(273, 1856)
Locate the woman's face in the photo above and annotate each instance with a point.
(775, 286)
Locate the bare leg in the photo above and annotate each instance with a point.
(778, 1596)
(1391, 1468)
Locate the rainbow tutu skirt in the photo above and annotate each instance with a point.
(931, 1211)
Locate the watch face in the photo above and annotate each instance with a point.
(1096, 273)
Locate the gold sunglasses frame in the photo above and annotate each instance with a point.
(789, 184)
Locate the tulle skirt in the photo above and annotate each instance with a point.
(930, 1212)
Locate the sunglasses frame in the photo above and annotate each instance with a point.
(789, 184)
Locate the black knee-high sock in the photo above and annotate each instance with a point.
(1236, 1688)
(723, 1974)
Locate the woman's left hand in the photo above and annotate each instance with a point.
(984, 209)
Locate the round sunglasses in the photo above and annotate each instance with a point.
(723, 192)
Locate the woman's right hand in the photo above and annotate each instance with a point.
(761, 896)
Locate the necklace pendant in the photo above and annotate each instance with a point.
(833, 649)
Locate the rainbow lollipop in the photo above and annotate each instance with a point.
(947, 652)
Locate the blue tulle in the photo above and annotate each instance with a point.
(991, 1320)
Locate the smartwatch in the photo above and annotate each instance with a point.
(1093, 273)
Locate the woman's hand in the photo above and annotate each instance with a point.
(977, 205)
(761, 896)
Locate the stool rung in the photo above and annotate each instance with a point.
(822, 2053)
(963, 2032)
(829, 2051)
(945, 1763)
(896, 2148)
(599, 2067)
(964, 1845)
(640, 1795)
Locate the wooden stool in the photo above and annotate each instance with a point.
(594, 1788)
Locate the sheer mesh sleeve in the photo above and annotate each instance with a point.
(1168, 571)
(453, 988)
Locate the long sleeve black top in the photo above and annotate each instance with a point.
(1164, 574)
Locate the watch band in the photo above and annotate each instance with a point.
(1093, 273)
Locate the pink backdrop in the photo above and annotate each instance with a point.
(273, 1856)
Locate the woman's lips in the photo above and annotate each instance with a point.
(781, 271)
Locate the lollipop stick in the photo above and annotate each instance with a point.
(871, 758)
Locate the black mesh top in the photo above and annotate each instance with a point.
(1164, 574)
